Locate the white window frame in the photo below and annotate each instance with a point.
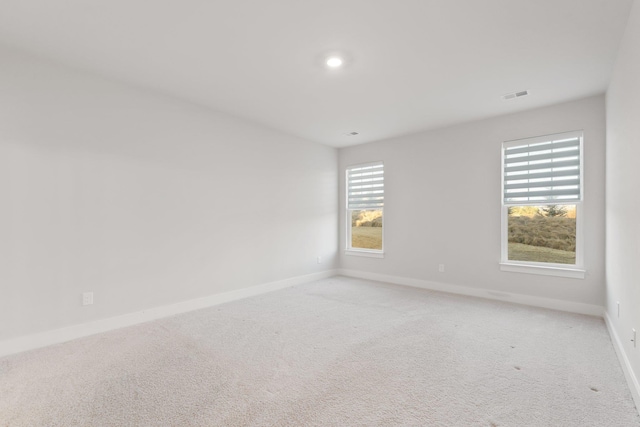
(576, 270)
(371, 253)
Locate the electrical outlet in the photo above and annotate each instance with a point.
(319, 260)
(618, 309)
(633, 337)
(87, 298)
(441, 268)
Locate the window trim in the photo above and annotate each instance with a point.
(349, 250)
(576, 270)
(369, 253)
(544, 270)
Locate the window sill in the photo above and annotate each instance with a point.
(573, 273)
(364, 253)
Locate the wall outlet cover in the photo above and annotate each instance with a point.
(87, 298)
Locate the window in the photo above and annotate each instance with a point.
(365, 204)
(541, 205)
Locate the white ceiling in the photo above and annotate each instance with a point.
(411, 64)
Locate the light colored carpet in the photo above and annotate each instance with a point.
(338, 352)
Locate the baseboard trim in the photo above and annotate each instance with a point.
(632, 379)
(57, 336)
(572, 307)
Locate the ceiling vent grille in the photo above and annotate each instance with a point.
(515, 95)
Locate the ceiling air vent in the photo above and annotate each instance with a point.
(515, 95)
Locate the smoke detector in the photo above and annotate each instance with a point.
(515, 95)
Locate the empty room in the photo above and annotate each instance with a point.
(320, 213)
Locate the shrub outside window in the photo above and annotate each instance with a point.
(544, 233)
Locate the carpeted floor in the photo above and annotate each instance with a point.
(338, 352)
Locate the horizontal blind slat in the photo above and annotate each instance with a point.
(536, 175)
(543, 156)
(543, 184)
(367, 200)
(570, 192)
(365, 184)
(366, 172)
(549, 165)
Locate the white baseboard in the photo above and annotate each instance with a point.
(572, 307)
(632, 379)
(56, 336)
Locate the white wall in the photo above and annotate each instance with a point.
(442, 202)
(623, 192)
(144, 200)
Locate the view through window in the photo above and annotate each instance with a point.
(366, 229)
(542, 233)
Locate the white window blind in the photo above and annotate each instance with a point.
(544, 170)
(365, 187)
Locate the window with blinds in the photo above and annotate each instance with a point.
(365, 203)
(542, 198)
(544, 170)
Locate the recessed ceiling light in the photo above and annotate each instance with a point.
(334, 62)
